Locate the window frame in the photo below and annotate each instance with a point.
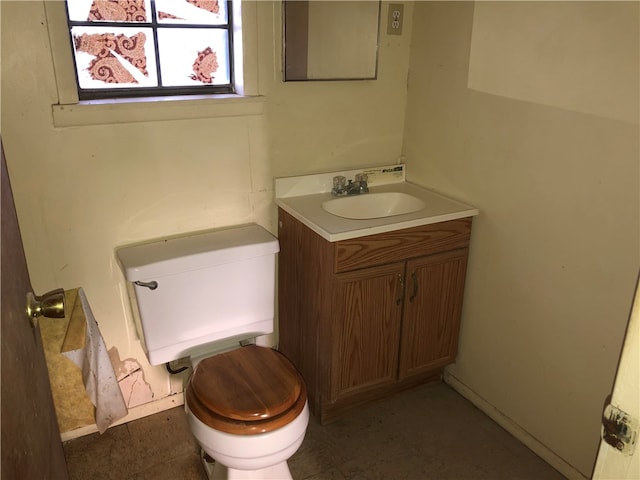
(69, 111)
(154, 25)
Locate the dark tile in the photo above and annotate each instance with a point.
(103, 456)
(186, 467)
(156, 447)
(329, 474)
(429, 432)
(164, 435)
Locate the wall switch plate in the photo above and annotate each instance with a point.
(395, 19)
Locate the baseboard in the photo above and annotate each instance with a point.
(514, 429)
(135, 413)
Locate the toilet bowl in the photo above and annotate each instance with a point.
(250, 456)
(248, 410)
(197, 295)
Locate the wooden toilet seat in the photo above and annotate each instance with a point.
(247, 391)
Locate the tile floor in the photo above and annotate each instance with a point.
(428, 433)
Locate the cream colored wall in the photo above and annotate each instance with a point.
(81, 191)
(554, 252)
(325, 125)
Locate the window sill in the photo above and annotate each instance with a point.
(151, 109)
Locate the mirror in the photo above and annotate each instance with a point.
(330, 40)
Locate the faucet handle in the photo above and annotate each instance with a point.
(361, 180)
(339, 183)
(362, 177)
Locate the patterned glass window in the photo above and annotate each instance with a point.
(136, 48)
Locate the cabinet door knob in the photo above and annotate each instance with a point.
(414, 279)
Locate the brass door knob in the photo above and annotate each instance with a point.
(50, 305)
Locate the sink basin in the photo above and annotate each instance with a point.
(373, 205)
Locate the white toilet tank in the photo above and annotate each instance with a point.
(193, 290)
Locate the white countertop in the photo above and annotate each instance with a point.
(308, 208)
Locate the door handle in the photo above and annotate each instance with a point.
(414, 279)
(50, 305)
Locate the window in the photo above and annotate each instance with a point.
(141, 48)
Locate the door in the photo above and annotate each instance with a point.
(433, 306)
(31, 445)
(611, 463)
(366, 329)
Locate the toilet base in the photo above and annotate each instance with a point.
(217, 471)
(262, 456)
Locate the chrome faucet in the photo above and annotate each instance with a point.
(352, 187)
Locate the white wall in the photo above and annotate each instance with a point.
(555, 175)
(82, 191)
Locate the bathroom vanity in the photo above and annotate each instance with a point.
(366, 315)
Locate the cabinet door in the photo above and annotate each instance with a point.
(433, 305)
(366, 329)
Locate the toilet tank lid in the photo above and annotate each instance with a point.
(175, 255)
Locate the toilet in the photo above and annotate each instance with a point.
(201, 297)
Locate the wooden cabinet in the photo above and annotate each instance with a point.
(433, 305)
(366, 323)
(367, 317)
